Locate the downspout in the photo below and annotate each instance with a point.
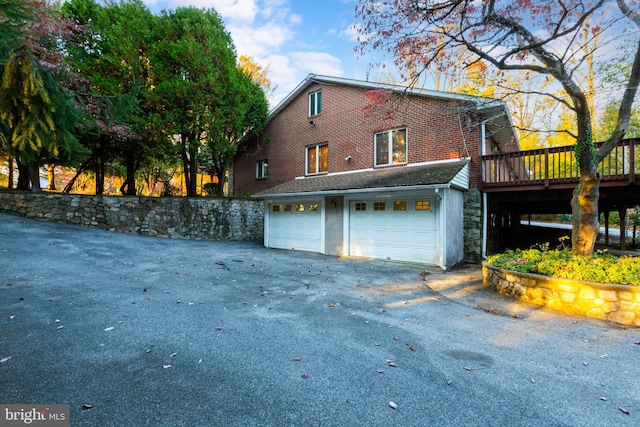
(443, 229)
(485, 208)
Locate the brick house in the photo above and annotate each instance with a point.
(397, 179)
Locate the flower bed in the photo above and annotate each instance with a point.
(618, 303)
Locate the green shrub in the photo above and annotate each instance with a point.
(603, 267)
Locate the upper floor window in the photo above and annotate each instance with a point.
(315, 103)
(391, 147)
(262, 167)
(317, 159)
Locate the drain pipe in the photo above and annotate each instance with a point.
(442, 227)
(485, 208)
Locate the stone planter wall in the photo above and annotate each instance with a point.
(176, 217)
(618, 303)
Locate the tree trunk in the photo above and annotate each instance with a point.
(584, 206)
(23, 177)
(193, 175)
(10, 179)
(83, 167)
(51, 177)
(34, 176)
(222, 178)
(130, 181)
(100, 175)
(584, 203)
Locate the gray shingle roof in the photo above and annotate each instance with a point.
(403, 176)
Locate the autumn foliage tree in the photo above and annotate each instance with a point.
(546, 37)
(37, 117)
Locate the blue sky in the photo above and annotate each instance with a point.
(291, 37)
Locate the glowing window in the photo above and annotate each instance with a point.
(423, 205)
(400, 206)
(391, 147)
(299, 207)
(313, 207)
(317, 159)
(379, 206)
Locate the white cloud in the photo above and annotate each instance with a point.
(260, 41)
(318, 63)
(353, 33)
(230, 10)
(234, 11)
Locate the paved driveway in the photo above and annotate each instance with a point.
(162, 332)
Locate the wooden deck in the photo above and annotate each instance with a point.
(556, 168)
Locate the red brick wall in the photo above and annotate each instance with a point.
(436, 130)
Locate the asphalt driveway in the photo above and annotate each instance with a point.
(158, 332)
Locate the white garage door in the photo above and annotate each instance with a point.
(295, 226)
(402, 229)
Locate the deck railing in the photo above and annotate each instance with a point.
(556, 166)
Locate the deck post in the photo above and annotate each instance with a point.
(546, 168)
(632, 161)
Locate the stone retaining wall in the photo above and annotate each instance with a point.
(472, 225)
(618, 303)
(176, 217)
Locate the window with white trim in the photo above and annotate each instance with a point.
(400, 205)
(423, 205)
(315, 103)
(262, 167)
(317, 159)
(361, 206)
(391, 147)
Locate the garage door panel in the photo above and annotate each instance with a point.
(295, 230)
(407, 235)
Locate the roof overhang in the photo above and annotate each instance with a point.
(479, 102)
(435, 175)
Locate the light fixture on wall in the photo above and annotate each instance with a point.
(347, 159)
(334, 203)
(312, 123)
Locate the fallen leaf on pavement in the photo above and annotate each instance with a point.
(5, 359)
(297, 359)
(393, 405)
(110, 328)
(624, 411)
(305, 377)
(173, 354)
(602, 398)
(166, 366)
(86, 406)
